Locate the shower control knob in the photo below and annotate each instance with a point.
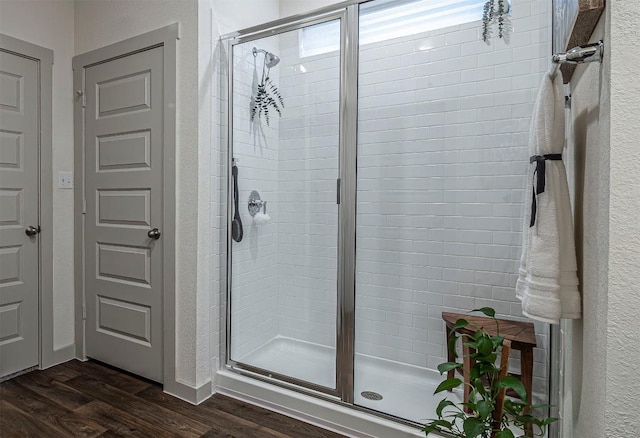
(154, 234)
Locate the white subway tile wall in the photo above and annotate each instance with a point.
(442, 157)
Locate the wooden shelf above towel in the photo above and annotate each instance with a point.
(588, 15)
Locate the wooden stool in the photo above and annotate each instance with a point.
(521, 335)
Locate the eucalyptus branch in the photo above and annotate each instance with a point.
(267, 97)
(492, 14)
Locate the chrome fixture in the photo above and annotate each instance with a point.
(581, 54)
(154, 234)
(270, 60)
(256, 204)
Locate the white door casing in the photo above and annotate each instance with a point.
(125, 148)
(19, 144)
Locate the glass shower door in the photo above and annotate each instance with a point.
(443, 122)
(283, 214)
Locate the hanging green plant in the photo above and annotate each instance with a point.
(495, 12)
(267, 96)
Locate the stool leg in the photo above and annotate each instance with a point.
(468, 362)
(450, 356)
(526, 360)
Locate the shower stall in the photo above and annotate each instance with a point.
(389, 143)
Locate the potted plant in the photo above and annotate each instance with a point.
(488, 413)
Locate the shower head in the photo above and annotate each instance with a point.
(270, 60)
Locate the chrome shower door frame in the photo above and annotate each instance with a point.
(348, 17)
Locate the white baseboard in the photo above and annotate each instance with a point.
(188, 393)
(343, 420)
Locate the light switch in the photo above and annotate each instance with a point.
(65, 180)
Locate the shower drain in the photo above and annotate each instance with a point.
(370, 395)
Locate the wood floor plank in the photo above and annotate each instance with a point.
(221, 423)
(53, 390)
(121, 423)
(165, 418)
(110, 434)
(91, 400)
(110, 376)
(16, 423)
(287, 425)
(59, 373)
(65, 421)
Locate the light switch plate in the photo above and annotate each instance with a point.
(65, 180)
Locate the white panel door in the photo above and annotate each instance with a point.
(19, 134)
(123, 190)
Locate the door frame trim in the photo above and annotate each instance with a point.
(44, 58)
(165, 37)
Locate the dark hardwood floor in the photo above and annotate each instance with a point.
(89, 399)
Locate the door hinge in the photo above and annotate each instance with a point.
(84, 206)
(338, 181)
(84, 312)
(83, 97)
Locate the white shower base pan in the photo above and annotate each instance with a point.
(407, 391)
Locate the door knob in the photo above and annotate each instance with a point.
(154, 234)
(31, 230)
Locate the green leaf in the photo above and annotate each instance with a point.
(448, 366)
(486, 368)
(506, 433)
(429, 428)
(485, 408)
(484, 346)
(515, 384)
(487, 311)
(443, 404)
(513, 407)
(461, 323)
(452, 345)
(448, 384)
(475, 373)
(436, 425)
(470, 344)
(491, 358)
(477, 383)
(528, 418)
(472, 427)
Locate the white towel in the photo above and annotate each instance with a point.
(547, 283)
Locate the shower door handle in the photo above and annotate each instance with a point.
(338, 181)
